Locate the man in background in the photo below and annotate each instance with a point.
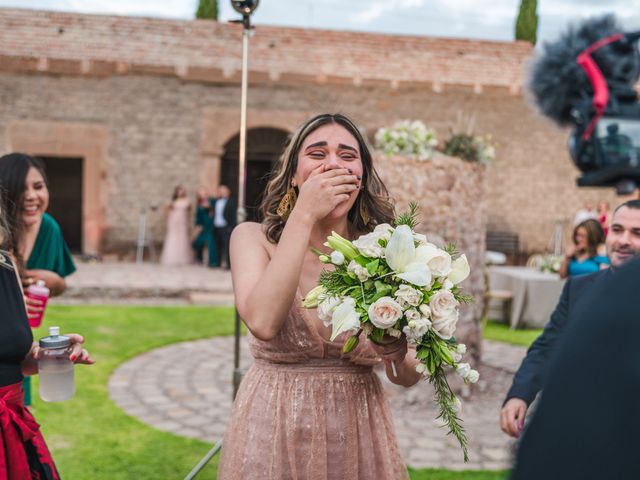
(224, 220)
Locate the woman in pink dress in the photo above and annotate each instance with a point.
(304, 409)
(177, 241)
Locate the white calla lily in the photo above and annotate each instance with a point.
(407, 261)
(459, 270)
(344, 318)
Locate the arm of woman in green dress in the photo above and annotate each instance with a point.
(52, 280)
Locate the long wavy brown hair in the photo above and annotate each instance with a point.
(372, 199)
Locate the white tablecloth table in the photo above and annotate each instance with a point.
(535, 294)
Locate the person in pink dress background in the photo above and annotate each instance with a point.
(177, 241)
(305, 410)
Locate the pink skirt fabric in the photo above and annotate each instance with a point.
(322, 419)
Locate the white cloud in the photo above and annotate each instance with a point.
(377, 9)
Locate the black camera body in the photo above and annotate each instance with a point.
(610, 155)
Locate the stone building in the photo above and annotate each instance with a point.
(122, 109)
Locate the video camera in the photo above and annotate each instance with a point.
(586, 79)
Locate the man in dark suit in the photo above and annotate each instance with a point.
(224, 220)
(587, 423)
(623, 243)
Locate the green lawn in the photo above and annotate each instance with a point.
(500, 332)
(91, 438)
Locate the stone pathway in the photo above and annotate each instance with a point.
(151, 283)
(186, 389)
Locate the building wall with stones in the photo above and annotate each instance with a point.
(152, 103)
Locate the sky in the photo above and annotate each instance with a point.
(476, 19)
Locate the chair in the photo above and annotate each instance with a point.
(503, 296)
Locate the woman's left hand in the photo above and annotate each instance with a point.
(77, 355)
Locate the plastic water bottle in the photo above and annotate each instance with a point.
(38, 291)
(55, 368)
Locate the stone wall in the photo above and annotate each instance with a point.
(451, 194)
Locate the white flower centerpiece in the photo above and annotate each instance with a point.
(392, 281)
(406, 137)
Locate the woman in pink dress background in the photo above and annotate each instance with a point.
(305, 410)
(177, 241)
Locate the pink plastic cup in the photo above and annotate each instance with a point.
(38, 291)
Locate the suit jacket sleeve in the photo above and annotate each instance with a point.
(529, 378)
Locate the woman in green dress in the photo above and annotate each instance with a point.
(204, 237)
(34, 236)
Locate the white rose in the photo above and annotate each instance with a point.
(385, 312)
(416, 329)
(459, 270)
(407, 295)
(456, 356)
(326, 308)
(422, 369)
(412, 314)
(345, 317)
(425, 310)
(461, 348)
(361, 272)
(337, 258)
(368, 245)
(442, 303)
(445, 327)
(472, 376)
(383, 231)
(447, 284)
(463, 369)
(438, 261)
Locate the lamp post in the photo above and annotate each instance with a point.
(245, 8)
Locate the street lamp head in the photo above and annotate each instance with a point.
(245, 7)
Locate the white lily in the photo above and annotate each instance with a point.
(408, 262)
(344, 318)
(459, 270)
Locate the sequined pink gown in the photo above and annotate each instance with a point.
(303, 412)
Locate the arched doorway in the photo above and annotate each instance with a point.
(264, 146)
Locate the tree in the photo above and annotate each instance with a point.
(207, 9)
(527, 22)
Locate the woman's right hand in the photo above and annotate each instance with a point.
(324, 190)
(34, 307)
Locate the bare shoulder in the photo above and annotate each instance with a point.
(248, 229)
(249, 234)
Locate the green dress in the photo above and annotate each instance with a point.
(50, 252)
(205, 237)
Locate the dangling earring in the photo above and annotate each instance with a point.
(285, 207)
(364, 213)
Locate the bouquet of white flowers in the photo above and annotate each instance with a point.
(392, 281)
